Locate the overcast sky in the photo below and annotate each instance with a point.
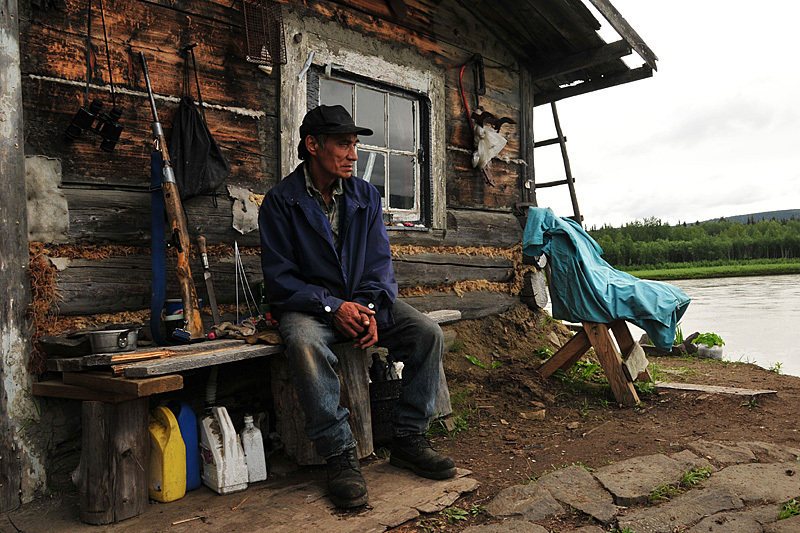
(715, 132)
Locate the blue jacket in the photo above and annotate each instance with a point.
(302, 270)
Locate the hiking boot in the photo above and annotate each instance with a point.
(345, 482)
(416, 453)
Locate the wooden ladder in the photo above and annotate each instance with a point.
(568, 181)
(621, 369)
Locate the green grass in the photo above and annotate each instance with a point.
(789, 509)
(689, 479)
(717, 271)
(463, 410)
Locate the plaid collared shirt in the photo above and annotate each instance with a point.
(332, 211)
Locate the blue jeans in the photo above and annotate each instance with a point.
(414, 339)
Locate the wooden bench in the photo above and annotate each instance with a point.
(112, 475)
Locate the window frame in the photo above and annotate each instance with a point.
(422, 103)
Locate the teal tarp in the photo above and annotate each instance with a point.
(583, 287)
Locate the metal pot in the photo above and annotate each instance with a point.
(113, 340)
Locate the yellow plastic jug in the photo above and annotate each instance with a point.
(167, 474)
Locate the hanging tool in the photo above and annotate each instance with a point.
(90, 116)
(176, 217)
(212, 299)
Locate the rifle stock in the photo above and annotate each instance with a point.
(179, 233)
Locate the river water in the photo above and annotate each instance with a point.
(758, 317)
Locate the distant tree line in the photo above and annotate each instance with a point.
(651, 242)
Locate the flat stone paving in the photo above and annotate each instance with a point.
(741, 495)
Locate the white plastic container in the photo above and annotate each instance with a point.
(224, 466)
(253, 444)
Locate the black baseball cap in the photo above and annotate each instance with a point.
(330, 119)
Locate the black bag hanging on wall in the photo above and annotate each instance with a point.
(199, 164)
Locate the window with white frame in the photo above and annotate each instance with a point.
(393, 157)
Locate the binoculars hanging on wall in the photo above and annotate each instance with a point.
(95, 120)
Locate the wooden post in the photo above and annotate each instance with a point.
(610, 360)
(112, 474)
(568, 355)
(354, 381)
(14, 292)
(526, 134)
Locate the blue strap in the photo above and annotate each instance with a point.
(158, 250)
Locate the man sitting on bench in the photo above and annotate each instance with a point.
(329, 278)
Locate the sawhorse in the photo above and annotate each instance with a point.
(621, 370)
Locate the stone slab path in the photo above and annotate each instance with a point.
(748, 483)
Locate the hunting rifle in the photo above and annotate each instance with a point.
(176, 221)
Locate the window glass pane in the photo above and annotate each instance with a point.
(401, 182)
(371, 167)
(401, 124)
(332, 92)
(371, 113)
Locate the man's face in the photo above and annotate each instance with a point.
(338, 157)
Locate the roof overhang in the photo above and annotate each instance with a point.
(558, 42)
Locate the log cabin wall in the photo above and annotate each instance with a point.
(103, 232)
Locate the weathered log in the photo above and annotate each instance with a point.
(440, 269)
(354, 396)
(123, 283)
(481, 228)
(123, 217)
(112, 475)
(473, 304)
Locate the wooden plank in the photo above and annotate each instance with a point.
(580, 60)
(626, 31)
(180, 363)
(713, 389)
(567, 355)
(634, 359)
(611, 362)
(65, 364)
(623, 335)
(594, 85)
(444, 316)
(105, 359)
(112, 474)
(55, 388)
(132, 387)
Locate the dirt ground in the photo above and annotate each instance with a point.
(512, 425)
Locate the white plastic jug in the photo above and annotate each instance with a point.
(253, 444)
(224, 467)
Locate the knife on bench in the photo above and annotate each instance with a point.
(212, 299)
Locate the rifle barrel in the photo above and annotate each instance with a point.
(149, 88)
